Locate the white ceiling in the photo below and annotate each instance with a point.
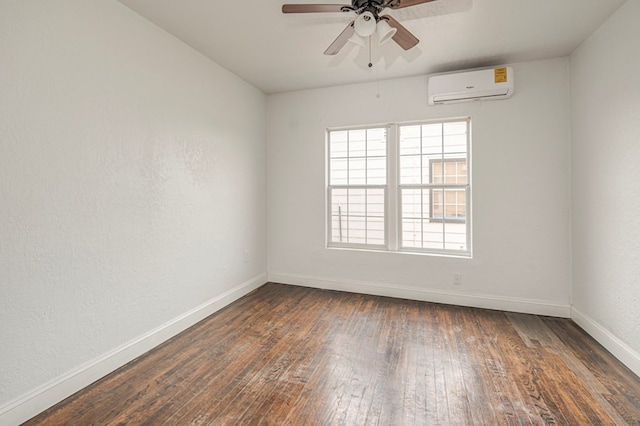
(277, 52)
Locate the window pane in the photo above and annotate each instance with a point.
(357, 171)
(357, 143)
(411, 203)
(432, 130)
(450, 210)
(409, 140)
(357, 202)
(376, 171)
(338, 172)
(437, 204)
(335, 229)
(437, 172)
(455, 236)
(461, 171)
(448, 204)
(412, 233)
(357, 230)
(455, 137)
(448, 171)
(375, 203)
(338, 144)
(358, 157)
(410, 170)
(410, 147)
(456, 144)
(377, 148)
(339, 201)
(377, 142)
(375, 230)
(427, 197)
(455, 128)
(432, 145)
(462, 204)
(339, 214)
(432, 235)
(358, 215)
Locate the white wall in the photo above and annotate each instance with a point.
(521, 194)
(132, 193)
(606, 184)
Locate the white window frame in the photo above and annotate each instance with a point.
(330, 188)
(393, 207)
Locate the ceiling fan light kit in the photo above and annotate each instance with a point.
(367, 22)
(358, 40)
(384, 30)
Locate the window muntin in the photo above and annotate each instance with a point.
(429, 187)
(434, 187)
(449, 204)
(357, 186)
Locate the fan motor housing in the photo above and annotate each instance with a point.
(361, 6)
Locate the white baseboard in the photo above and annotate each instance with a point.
(617, 347)
(525, 306)
(29, 405)
(47, 395)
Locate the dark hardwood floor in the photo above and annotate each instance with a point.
(299, 356)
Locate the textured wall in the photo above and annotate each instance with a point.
(132, 184)
(521, 188)
(606, 177)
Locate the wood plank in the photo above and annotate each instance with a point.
(293, 355)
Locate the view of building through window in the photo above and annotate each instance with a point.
(434, 186)
(428, 193)
(449, 204)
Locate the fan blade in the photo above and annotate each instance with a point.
(403, 36)
(312, 8)
(341, 40)
(398, 4)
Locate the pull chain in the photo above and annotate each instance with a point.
(370, 64)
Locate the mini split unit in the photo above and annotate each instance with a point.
(494, 83)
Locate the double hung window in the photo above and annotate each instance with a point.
(400, 187)
(434, 186)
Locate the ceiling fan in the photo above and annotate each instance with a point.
(367, 21)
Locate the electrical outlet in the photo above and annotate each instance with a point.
(457, 278)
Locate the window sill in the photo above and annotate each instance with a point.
(454, 255)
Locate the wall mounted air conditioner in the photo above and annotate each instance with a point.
(494, 83)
